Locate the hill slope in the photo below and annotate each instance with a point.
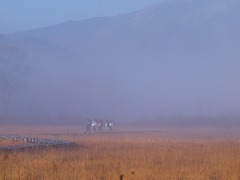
(177, 57)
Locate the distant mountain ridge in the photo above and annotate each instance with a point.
(178, 55)
(160, 26)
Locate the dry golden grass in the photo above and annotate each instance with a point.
(164, 154)
(4, 142)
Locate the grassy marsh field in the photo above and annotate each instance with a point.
(127, 153)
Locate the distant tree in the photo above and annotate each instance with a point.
(12, 71)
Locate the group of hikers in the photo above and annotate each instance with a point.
(98, 125)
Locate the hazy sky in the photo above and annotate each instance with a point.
(18, 15)
(181, 58)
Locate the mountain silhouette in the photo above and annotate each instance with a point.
(176, 57)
